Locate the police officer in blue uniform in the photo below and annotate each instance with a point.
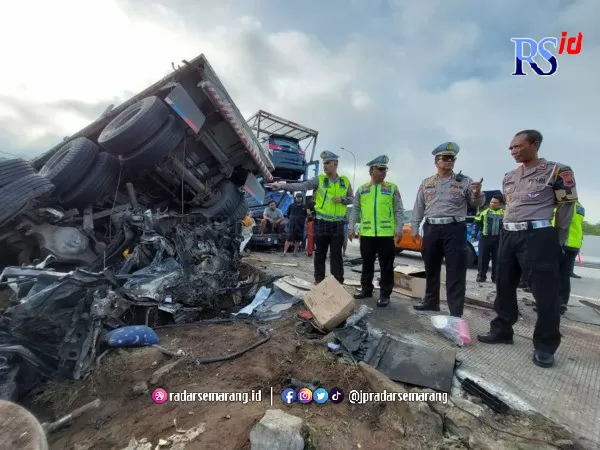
(442, 200)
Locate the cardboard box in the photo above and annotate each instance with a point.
(410, 281)
(329, 303)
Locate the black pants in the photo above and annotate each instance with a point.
(537, 253)
(329, 235)
(567, 264)
(488, 249)
(384, 249)
(450, 242)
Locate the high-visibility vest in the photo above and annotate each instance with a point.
(325, 209)
(496, 225)
(575, 233)
(377, 218)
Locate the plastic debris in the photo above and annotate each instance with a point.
(132, 336)
(454, 328)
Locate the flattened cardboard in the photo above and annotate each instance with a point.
(410, 281)
(329, 303)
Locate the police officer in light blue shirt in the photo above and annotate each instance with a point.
(442, 200)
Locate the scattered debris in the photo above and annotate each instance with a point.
(140, 388)
(164, 370)
(278, 430)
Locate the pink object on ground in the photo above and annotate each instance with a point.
(463, 329)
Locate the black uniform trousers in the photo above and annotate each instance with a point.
(567, 264)
(329, 235)
(488, 249)
(537, 253)
(383, 248)
(447, 241)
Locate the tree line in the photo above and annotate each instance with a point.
(591, 229)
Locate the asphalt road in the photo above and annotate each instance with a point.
(586, 288)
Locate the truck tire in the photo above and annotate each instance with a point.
(96, 183)
(15, 196)
(134, 126)
(157, 147)
(227, 204)
(67, 167)
(13, 169)
(240, 211)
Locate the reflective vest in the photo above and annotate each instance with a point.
(377, 218)
(325, 209)
(575, 233)
(490, 221)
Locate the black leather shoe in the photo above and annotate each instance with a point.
(573, 275)
(360, 294)
(493, 338)
(543, 359)
(384, 300)
(424, 306)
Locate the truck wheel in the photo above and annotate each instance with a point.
(227, 204)
(157, 147)
(240, 211)
(96, 183)
(15, 196)
(13, 169)
(68, 166)
(134, 126)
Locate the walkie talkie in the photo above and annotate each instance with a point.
(460, 176)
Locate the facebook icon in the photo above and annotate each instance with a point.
(288, 396)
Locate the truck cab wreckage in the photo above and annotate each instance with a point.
(133, 217)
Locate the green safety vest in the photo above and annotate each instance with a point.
(377, 218)
(494, 222)
(575, 233)
(325, 209)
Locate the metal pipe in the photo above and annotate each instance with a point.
(354, 173)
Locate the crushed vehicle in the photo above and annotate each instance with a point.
(133, 220)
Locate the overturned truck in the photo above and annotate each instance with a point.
(180, 146)
(132, 217)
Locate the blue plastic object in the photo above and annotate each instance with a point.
(132, 336)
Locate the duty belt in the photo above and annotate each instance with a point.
(530, 225)
(444, 220)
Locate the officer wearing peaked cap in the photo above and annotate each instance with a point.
(378, 208)
(332, 194)
(442, 200)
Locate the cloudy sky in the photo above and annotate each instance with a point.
(374, 76)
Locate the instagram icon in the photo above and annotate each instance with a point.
(305, 395)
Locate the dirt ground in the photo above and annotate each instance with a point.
(124, 414)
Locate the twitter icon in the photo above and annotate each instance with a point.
(320, 395)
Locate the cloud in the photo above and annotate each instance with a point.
(378, 77)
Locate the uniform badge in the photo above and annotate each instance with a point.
(429, 198)
(532, 195)
(507, 198)
(449, 146)
(567, 178)
(542, 165)
(323, 155)
(365, 189)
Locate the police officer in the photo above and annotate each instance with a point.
(332, 195)
(489, 221)
(378, 208)
(571, 247)
(529, 242)
(443, 200)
